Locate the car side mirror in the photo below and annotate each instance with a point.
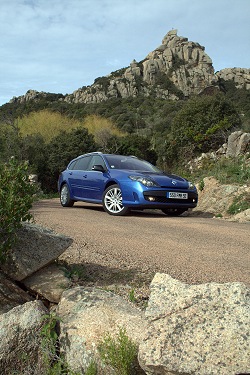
(98, 168)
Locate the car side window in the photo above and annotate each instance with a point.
(71, 165)
(96, 160)
(82, 163)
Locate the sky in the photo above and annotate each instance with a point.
(58, 46)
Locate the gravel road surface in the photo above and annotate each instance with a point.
(133, 248)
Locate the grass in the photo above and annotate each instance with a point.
(225, 170)
(119, 352)
(240, 203)
(92, 369)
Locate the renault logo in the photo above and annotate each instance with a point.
(174, 182)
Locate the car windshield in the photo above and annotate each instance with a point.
(130, 163)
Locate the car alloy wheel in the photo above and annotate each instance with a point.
(112, 201)
(65, 197)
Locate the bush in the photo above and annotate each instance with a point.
(120, 352)
(16, 198)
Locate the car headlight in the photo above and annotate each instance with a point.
(144, 180)
(191, 185)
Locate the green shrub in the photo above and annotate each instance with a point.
(240, 203)
(92, 369)
(16, 198)
(119, 352)
(201, 184)
(53, 363)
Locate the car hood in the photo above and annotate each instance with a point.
(167, 180)
(162, 179)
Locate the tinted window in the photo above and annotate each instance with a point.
(82, 163)
(97, 160)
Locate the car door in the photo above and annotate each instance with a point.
(94, 182)
(77, 176)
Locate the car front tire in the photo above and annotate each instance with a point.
(65, 199)
(112, 201)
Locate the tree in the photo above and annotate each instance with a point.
(16, 198)
(138, 146)
(61, 150)
(202, 124)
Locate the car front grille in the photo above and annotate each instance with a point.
(161, 197)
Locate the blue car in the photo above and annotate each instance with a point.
(123, 183)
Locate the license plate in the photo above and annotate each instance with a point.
(176, 195)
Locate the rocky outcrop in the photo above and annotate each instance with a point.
(215, 199)
(177, 68)
(240, 76)
(30, 95)
(196, 329)
(20, 339)
(185, 63)
(87, 314)
(238, 144)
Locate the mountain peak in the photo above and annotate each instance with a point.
(178, 68)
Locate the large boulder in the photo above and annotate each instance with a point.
(87, 314)
(20, 339)
(196, 329)
(35, 248)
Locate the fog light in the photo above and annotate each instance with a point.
(151, 199)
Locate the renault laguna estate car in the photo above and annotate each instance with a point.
(123, 183)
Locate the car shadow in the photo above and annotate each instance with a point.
(89, 274)
(152, 213)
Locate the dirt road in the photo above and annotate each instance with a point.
(191, 249)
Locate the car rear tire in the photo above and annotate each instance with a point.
(65, 199)
(173, 211)
(112, 201)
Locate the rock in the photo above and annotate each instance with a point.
(10, 294)
(208, 197)
(177, 60)
(20, 339)
(35, 248)
(240, 76)
(216, 198)
(86, 315)
(49, 282)
(196, 329)
(242, 216)
(238, 143)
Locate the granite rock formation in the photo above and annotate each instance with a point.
(177, 68)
